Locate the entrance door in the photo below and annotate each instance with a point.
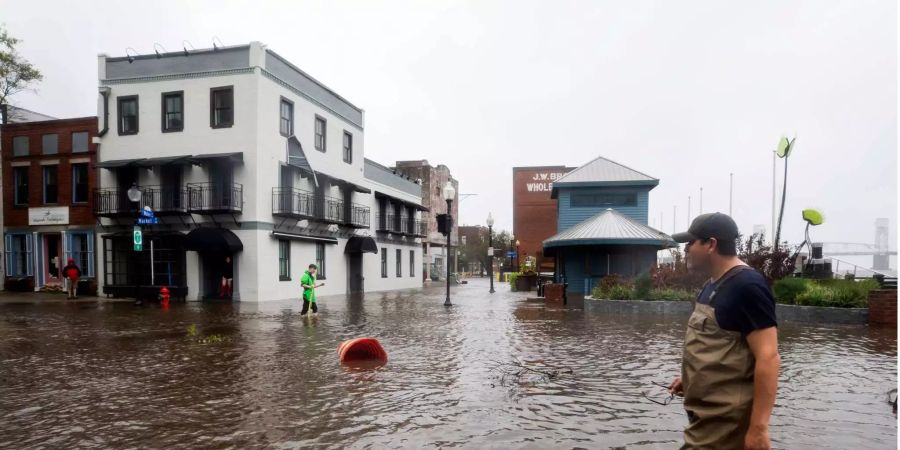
(52, 259)
(356, 281)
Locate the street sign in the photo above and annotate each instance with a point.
(490, 251)
(138, 239)
(147, 213)
(148, 220)
(511, 254)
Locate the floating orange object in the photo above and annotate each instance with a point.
(362, 349)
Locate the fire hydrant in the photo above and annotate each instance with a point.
(164, 297)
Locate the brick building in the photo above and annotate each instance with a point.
(48, 168)
(433, 179)
(534, 212)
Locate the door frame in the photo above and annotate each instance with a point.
(45, 268)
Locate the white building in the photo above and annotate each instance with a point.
(239, 153)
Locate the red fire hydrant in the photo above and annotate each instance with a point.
(164, 297)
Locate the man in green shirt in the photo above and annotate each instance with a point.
(308, 282)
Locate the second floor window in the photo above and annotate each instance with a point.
(50, 144)
(79, 183)
(348, 148)
(79, 142)
(173, 111)
(320, 134)
(51, 187)
(221, 107)
(286, 126)
(20, 178)
(20, 146)
(128, 115)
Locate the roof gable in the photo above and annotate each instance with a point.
(603, 172)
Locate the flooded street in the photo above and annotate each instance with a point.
(117, 375)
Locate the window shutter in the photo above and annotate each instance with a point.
(29, 264)
(68, 248)
(90, 248)
(9, 255)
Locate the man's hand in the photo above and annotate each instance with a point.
(320, 285)
(757, 439)
(676, 387)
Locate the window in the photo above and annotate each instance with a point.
(172, 111)
(221, 107)
(79, 142)
(50, 144)
(20, 146)
(605, 199)
(80, 247)
(399, 263)
(320, 261)
(18, 255)
(20, 178)
(348, 148)
(320, 134)
(383, 263)
(79, 183)
(286, 126)
(412, 263)
(284, 260)
(51, 188)
(128, 115)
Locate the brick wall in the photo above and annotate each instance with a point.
(883, 307)
(534, 212)
(80, 214)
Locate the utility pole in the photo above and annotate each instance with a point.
(730, 191)
(774, 175)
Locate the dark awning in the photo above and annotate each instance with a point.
(206, 158)
(117, 163)
(296, 156)
(164, 160)
(212, 239)
(361, 244)
(344, 183)
(303, 237)
(401, 201)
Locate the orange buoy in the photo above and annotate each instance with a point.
(362, 349)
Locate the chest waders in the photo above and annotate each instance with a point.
(717, 377)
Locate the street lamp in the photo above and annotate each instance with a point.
(517, 255)
(449, 193)
(490, 224)
(134, 194)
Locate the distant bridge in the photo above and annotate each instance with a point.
(854, 249)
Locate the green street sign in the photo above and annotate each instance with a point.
(138, 239)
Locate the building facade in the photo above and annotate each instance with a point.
(47, 207)
(534, 211)
(250, 167)
(602, 221)
(434, 245)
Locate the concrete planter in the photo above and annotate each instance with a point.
(785, 313)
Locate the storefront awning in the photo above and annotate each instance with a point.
(117, 163)
(164, 160)
(609, 227)
(303, 237)
(344, 183)
(206, 239)
(361, 244)
(206, 158)
(401, 201)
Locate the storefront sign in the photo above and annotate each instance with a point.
(543, 181)
(54, 215)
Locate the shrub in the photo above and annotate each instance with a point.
(815, 295)
(642, 286)
(511, 277)
(614, 292)
(787, 289)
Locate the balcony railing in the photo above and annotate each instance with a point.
(111, 202)
(334, 210)
(359, 216)
(292, 202)
(393, 223)
(164, 199)
(213, 198)
(419, 228)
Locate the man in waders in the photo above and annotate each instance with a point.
(308, 283)
(730, 364)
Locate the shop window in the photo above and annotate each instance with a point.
(19, 248)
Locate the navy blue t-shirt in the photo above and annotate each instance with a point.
(744, 303)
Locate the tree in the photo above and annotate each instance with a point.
(16, 73)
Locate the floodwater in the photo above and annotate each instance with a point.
(102, 375)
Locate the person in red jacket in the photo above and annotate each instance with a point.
(72, 274)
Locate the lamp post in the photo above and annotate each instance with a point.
(449, 193)
(490, 224)
(517, 255)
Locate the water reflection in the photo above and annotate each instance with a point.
(116, 375)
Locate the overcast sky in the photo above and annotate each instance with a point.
(687, 92)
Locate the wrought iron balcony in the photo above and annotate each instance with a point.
(333, 210)
(359, 216)
(215, 198)
(113, 202)
(419, 228)
(165, 199)
(290, 202)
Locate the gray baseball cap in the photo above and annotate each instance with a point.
(709, 226)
